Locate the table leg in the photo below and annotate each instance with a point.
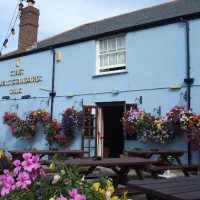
(121, 174)
(178, 160)
(139, 173)
(89, 170)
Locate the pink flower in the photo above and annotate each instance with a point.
(8, 184)
(6, 172)
(23, 180)
(42, 172)
(80, 197)
(17, 163)
(33, 175)
(28, 165)
(73, 193)
(61, 198)
(27, 156)
(36, 162)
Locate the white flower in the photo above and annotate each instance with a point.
(108, 195)
(83, 178)
(52, 198)
(52, 165)
(62, 172)
(56, 178)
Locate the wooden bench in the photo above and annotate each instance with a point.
(160, 169)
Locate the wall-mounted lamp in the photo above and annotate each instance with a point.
(17, 62)
(26, 96)
(139, 99)
(175, 86)
(69, 94)
(5, 97)
(58, 56)
(158, 110)
(115, 91)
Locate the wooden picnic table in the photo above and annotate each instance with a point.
(163, 161)
(177, 188)
(42, 153)
(164, 153)
(121, 166)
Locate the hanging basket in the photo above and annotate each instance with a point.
(196, 144)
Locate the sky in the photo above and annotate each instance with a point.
(62, 15)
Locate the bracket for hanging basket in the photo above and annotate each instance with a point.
(189, 80)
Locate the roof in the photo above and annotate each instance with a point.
(134, 19)
(160, 14)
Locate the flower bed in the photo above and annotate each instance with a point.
(27, 181)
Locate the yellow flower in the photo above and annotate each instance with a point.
(1, 154)
(124, 197)
(115, 198)
(96, 186)
(102, 191)
(110, 188)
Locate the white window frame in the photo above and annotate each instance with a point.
(111, 68)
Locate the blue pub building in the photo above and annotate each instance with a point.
(148, 58)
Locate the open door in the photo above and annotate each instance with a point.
(89, 130)
(102, 131)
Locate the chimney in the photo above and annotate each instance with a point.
(28, 27)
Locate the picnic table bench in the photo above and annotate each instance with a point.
(185, 168)
(177, 188)
(163, 164)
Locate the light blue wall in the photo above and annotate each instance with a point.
(156, 59)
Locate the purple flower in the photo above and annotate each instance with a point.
(73, 193)
(28, 165)
(27, 156)
(35, 161)
(23, 180)
(17, 163)
(61, 198)
(8, 185)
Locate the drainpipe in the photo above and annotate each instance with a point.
(52, 94)
(188, 80)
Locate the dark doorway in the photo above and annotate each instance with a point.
(113, 130)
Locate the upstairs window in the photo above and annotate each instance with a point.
(111, 54)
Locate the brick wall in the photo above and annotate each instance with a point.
(28, 28)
